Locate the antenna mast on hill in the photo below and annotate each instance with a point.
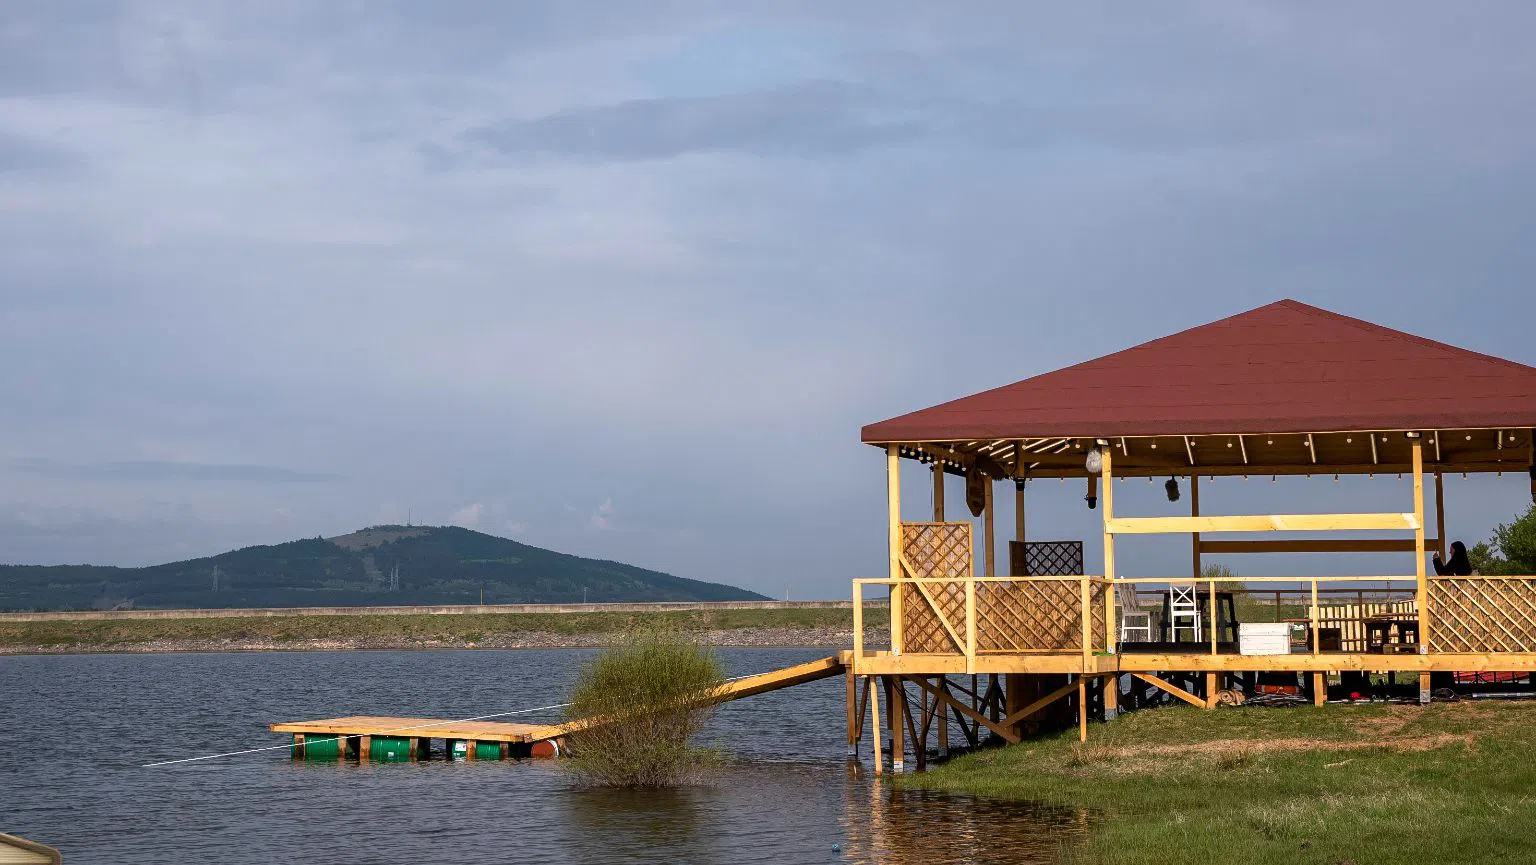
(394, 578)
(215, 578)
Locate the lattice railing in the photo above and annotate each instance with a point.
(1037, 616)
(934, 550)
(1482, 614)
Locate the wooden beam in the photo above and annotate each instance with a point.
(1263, 523)
(1172, 689)
(852, 686)
(988, 528)
(1439, 540)
(1024, 713)
(1422, 597)
(1194, 511)
(1179, 469)
(874, 722)
(1311, 545)
(1108, 502)
(1189, 450)
(893, 529)
(1082, 708)
(980, 718)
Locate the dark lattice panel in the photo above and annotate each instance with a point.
(1045, 558)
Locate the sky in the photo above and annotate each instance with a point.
(625, 279)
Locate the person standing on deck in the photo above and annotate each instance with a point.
(1458, 566)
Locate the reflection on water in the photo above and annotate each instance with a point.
(916, 826)
(786, 794)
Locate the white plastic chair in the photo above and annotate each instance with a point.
(1133, 619)
(1183, 604)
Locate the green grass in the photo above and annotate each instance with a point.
(452, 629)
(1336, 784)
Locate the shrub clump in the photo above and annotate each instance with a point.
(648, 697)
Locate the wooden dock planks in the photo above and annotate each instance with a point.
(500, 731)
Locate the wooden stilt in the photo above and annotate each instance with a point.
(341, 748)
(469, 749)
(893, 709)
(1111, 697)
(874, 721)
(298, 746)
(1424, 689)
(1319, 688)
(1211, 683)
(1082, 708)
(919, 746)
(364, 748)
(943, 713)
(853, 711)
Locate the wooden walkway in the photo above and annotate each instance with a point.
(363, 728)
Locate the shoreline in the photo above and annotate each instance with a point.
(739, 638)
(750, 628)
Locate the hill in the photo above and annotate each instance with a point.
(381, 565)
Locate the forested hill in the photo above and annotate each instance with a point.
(382, 565)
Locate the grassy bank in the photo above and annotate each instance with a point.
(514, 630)
(1337, 784)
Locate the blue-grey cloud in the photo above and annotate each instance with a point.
(162, 470)
(815, 118)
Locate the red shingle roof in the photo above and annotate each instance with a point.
(1285, 367)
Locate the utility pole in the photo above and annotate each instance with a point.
(215, 578)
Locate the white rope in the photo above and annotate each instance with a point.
(339, 737)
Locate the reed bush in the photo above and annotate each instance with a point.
(650, 695)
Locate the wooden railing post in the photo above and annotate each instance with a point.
(858, 623)
(1317, 646)
(970, 625)
(1215, 616)
(1086, 613)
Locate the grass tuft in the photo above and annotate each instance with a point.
(653, 693)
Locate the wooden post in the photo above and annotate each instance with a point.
(1086, 615)
(1111, 696)
(1018, 516)
(858, 621)
(364, 748)
(1440, 514)
(298, 746)
(1319, 688)
(852, 685)
(894, 713)
(989, 534)
(1312, 615)
(1194, 511)
(938, 492)
(942, 711)
(874, 721)
(1422, 594)
(341, 747)
(970, 626)
(410, 748)
(1215, 614)
(1211, 686)
(1082, 708)
(1107, 499)
(469, 749)
(893, 499)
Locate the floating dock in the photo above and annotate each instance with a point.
(391, 740)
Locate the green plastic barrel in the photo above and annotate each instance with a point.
(389, 749)
(318, 746)
(487, 750)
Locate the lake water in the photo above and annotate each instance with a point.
(75, 731)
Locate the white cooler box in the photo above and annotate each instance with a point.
(1264, 638)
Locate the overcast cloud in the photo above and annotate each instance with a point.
(625, 279)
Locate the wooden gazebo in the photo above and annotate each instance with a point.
(1285, 389)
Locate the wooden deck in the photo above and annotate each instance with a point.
(436, 728)
(363, 728)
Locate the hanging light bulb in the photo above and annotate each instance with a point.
(1094, 462)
